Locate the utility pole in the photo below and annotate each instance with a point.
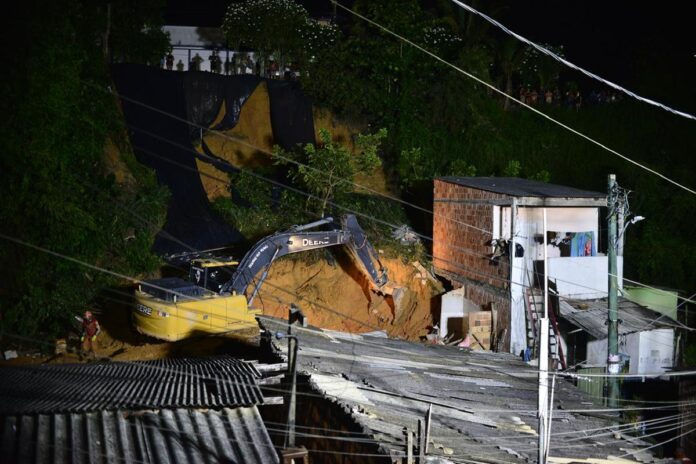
(614, 207)
(543, 404)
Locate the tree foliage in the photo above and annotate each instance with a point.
(442, 123)
(56, 189)
(278, 27)
(327, 170)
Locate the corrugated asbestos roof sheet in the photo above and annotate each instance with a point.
(517, 187)
(484, 404)
(591, 316)
(169, 383)
(165, 436)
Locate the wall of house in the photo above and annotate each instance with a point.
(650, 351)
(662, 301)
(583, 278)
(454, 305)
(655, 350)
(528, 223)
(459, 244)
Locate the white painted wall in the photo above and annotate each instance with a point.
(529, 222)
(584, 277)
(651, 351)
(597, 352)
(454, 306)
(655, 353)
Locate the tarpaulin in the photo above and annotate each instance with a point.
(164, 112)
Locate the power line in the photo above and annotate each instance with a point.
(510, 97)
(363, 215)
(281, 157)
(393, 226)
(602, 410)
(234, 139)
(567, 63)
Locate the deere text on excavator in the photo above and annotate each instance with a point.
(214, 299)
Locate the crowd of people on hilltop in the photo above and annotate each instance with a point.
(234, 63)
(572, 98)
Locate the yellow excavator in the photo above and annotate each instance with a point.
(214, 299)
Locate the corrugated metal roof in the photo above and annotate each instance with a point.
(516, 187)
(484, 404)
(170, 383)
(591, 316)
(165, 436)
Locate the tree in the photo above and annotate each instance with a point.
(540, 70)
(282, 28)
(56, 190)
(510, 57)
(327, 171)
(136, 34)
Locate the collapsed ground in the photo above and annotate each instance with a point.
(329, 289)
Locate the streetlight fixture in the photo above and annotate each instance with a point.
(633, 220)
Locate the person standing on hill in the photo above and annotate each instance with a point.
(169, 61)
(196, 62)
(90, 330)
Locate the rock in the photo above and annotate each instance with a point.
(10, 354)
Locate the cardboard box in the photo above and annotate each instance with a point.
(478, 326)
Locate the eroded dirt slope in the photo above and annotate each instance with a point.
(337, 296)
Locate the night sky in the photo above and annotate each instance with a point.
(650, 49)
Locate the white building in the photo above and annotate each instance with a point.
(646, 337)
(189, 41)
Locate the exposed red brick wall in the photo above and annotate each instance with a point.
(460, 249)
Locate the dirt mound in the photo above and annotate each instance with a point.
(338, 297)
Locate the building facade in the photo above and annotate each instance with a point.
(488, 238)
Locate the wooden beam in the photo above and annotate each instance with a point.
(265, 368)
(554, 202)
(272, 400)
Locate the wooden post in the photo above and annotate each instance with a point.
(428, 418)
(409, 447)
(421, 441)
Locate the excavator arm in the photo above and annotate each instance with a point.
(299, 239)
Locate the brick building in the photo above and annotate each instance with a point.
(488, 239)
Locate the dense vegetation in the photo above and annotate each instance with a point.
(58, 190)
(443, 123)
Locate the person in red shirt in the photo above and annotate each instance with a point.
(90, 330)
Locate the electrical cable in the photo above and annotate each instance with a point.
(506, 411)
(663, 323)
(216, 160)
(510, 97)
(567, 63)
(393, 226)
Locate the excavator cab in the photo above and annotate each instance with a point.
(211, 273)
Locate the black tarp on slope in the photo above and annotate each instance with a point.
(292, 119)
(165, 143)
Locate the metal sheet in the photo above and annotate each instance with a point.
(172, 383)
(167, 436)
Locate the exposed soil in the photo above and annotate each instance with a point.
(332, 293)
(339, 297)
(256, 135)
(334, 296)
